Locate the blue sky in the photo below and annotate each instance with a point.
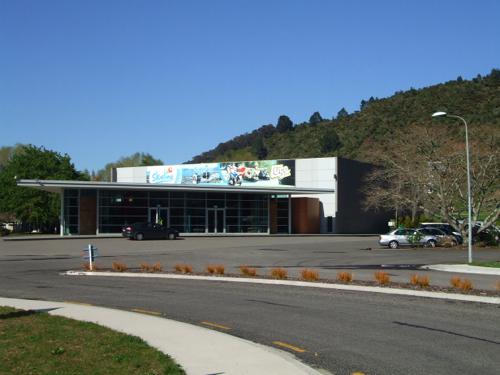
(103, 79)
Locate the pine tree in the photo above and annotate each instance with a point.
(330, 141)
(284, 124)
(315, 118)
(342, 113)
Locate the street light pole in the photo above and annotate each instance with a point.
(469, 203)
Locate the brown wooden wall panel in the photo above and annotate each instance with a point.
(88, 224)
(305, 215)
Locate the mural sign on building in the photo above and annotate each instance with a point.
(247, 173)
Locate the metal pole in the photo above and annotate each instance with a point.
(469, 208)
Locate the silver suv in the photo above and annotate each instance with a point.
(447, 228)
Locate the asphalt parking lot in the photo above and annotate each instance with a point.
(328, 255)
(340, 331)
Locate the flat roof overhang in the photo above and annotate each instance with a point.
(57, 186)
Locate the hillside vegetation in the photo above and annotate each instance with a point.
(362, 134)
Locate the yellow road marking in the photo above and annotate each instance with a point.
(79, 303)
(288, 346)
(216, 325)
(149, 312)
(358, 373)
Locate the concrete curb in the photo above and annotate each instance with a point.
(463, 268)
(198, 350)
(356, 288)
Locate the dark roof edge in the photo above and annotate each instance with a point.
(58, 185)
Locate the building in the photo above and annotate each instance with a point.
(299, 196)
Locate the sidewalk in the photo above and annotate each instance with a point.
(198, 350)
(464, 268)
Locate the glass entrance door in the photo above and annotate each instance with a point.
(216, 222)
(158, 215)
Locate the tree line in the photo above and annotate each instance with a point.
(353, 135)
(37, 209)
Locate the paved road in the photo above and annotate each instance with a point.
(343, 332)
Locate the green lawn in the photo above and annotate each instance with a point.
(494, 264)
(37, 343)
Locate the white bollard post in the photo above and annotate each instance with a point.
(91, 256)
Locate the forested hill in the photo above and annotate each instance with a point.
(357, 135)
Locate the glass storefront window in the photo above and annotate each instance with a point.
(71, 211)
(187, 212)
(118, 208)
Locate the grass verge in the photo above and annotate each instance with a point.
(494, 264)
(38, 343)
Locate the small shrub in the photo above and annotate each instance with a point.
(219, 269)
(178, 267)
(119, 267)
(466, 285)
(447, 241)
(489, 238)
(309, 275)
(279, 273)
(423, 281)
(415, 238)
(382, 277)
(157, 267)
(247, 271)
(145, 267)
(345, 277)
(455, 282)
(216, 269)
(414, 279)
(183, 268)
